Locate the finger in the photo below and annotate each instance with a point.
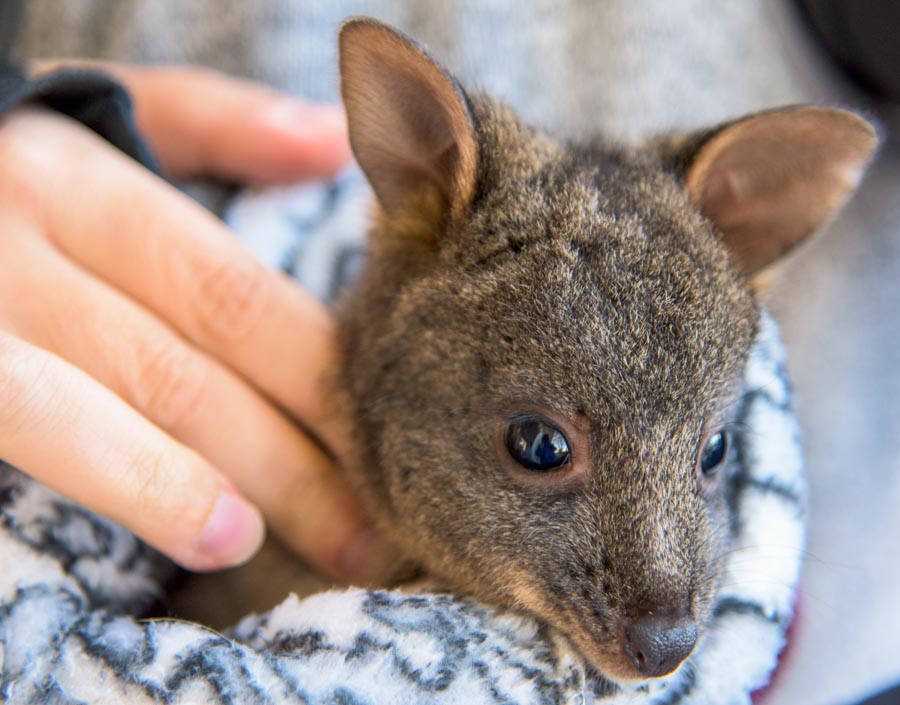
(196, 400)
(200, 121)
(78, 438)
(164, 251)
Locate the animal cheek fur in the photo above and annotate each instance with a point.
(566, 602)
(712, 544)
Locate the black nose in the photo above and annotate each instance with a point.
(657, 642)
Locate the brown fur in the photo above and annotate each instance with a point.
(583, 281)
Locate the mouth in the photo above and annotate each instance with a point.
(616, 666)
(626, 664)
(642, 644)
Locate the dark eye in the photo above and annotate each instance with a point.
(536, 444)
(713, 453)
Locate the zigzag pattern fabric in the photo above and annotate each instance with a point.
(73, 585)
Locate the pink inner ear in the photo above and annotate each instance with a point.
(409, 123)
(721, 194)
(770, 180)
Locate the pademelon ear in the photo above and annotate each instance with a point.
(410, 125)
(769, 180)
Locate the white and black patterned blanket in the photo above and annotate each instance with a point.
(72, 584)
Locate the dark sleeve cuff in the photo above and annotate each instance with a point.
(88, 96)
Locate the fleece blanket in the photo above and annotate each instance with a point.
(73, 586)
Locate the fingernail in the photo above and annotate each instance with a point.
(232, 534)
(305, 120)
(369, 558)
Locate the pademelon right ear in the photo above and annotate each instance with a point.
(410, 125)
(769, 180)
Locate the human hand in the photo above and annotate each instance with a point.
(150, 368)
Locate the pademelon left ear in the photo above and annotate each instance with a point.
(769, 180)
(410, 124)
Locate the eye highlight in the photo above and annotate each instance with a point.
(536, 444)
(713, 453)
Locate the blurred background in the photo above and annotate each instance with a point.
(631, 68)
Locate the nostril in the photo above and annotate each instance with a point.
(638, 658)
(658, 643)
